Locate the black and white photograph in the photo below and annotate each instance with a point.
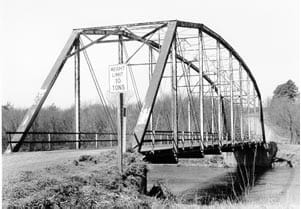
(150, 104)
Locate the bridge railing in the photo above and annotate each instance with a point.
(36, 141)
(185, 138)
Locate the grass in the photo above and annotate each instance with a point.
(88, 182)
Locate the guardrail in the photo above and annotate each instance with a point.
(62, 140)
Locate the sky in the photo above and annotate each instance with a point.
(266, 33)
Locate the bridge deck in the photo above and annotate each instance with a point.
(225, 146)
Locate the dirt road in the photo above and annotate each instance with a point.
(13, 163)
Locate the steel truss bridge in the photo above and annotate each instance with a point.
(200, 98)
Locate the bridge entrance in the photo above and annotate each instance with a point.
(198, 92)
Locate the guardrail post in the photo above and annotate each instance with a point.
(191, 139)
(10, 143)
(49, 142)
(183, 139)
(153, 138)
(96, 139)
(161, 139)
(111, 140)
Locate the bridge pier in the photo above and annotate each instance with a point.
(249, 155)
(256, 155)
(161, 156)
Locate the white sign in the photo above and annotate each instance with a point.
(118, 78)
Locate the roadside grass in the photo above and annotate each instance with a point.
(88, 182)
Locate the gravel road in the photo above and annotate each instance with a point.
(13, 163)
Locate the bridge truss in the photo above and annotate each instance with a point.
(200, 91)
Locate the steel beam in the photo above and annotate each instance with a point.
(248, 108)
(232, 131)
(212, 111)
(254, 111)
(174, 92)
(154, 31)
(77, 92)
(153, 88)
(241, 104)
(219, 102)
(40, 98)
(127, 25)
(150, 73)
(92, 43)
(201, 93)
(188, 104)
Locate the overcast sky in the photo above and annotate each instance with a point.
(264, 32)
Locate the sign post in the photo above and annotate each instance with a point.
(118, 81)
(119, 84)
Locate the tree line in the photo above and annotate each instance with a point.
(95, 119)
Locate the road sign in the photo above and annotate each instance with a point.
(118, 78)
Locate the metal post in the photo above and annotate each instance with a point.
(124, 130)
(10, 143)
(201, 100)
(219, 107)
(174, 97)
(241, 103)
(150, 59)
(231, 100)
(254, 111)
(111, 139)
(77, 93)
(96, 138)
(188, 105)
(49, 141)
(212, 111)
(248, 107)
(120, 114)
